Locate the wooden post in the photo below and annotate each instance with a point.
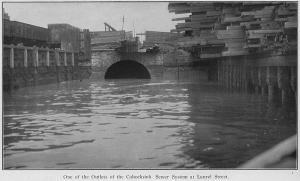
(223, 72)
(65, 58)
(245, 73)
(177, 69)
(57, 57)
(47, 58)
(254, 78)
(73, 59)
(25, 57)
(227, 73)
(36, 57)
(220, 72)
(219, 68)
(12, 58)
(293, 79)
(283, 73)
(272, 83)
(259, 82)
(240, 76)
(234, 76)
(36, 64)
(262, 79)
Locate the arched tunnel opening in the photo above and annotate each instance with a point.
(127, 69)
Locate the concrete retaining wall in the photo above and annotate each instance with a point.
(14, 78)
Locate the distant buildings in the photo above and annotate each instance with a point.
(66, 36)
(57, 36)
(70, 38)
(5, 15)
(21, 33)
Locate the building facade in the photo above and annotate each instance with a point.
(65, 36)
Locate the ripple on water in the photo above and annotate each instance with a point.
(30, 146)
(127, 124)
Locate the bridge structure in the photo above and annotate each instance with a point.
(272, 75)
(112, 64)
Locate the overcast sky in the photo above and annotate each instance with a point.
(92, 15)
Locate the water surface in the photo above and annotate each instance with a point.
(138, 124)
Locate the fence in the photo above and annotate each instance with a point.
(23, 56)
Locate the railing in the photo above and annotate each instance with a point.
(37, 55)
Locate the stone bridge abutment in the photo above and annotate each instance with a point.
(112, 64)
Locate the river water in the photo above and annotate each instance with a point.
(138, 124)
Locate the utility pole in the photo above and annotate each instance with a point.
(133, 30)
(123, 23)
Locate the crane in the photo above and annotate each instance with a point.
(108, 27)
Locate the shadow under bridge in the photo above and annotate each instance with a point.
(127, 69)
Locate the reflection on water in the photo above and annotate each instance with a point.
(138, 124)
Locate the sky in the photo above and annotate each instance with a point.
(139, 16)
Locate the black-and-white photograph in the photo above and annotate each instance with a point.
(149, 85)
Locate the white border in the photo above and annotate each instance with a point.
(58, 175)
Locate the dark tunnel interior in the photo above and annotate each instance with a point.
(127, 69)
